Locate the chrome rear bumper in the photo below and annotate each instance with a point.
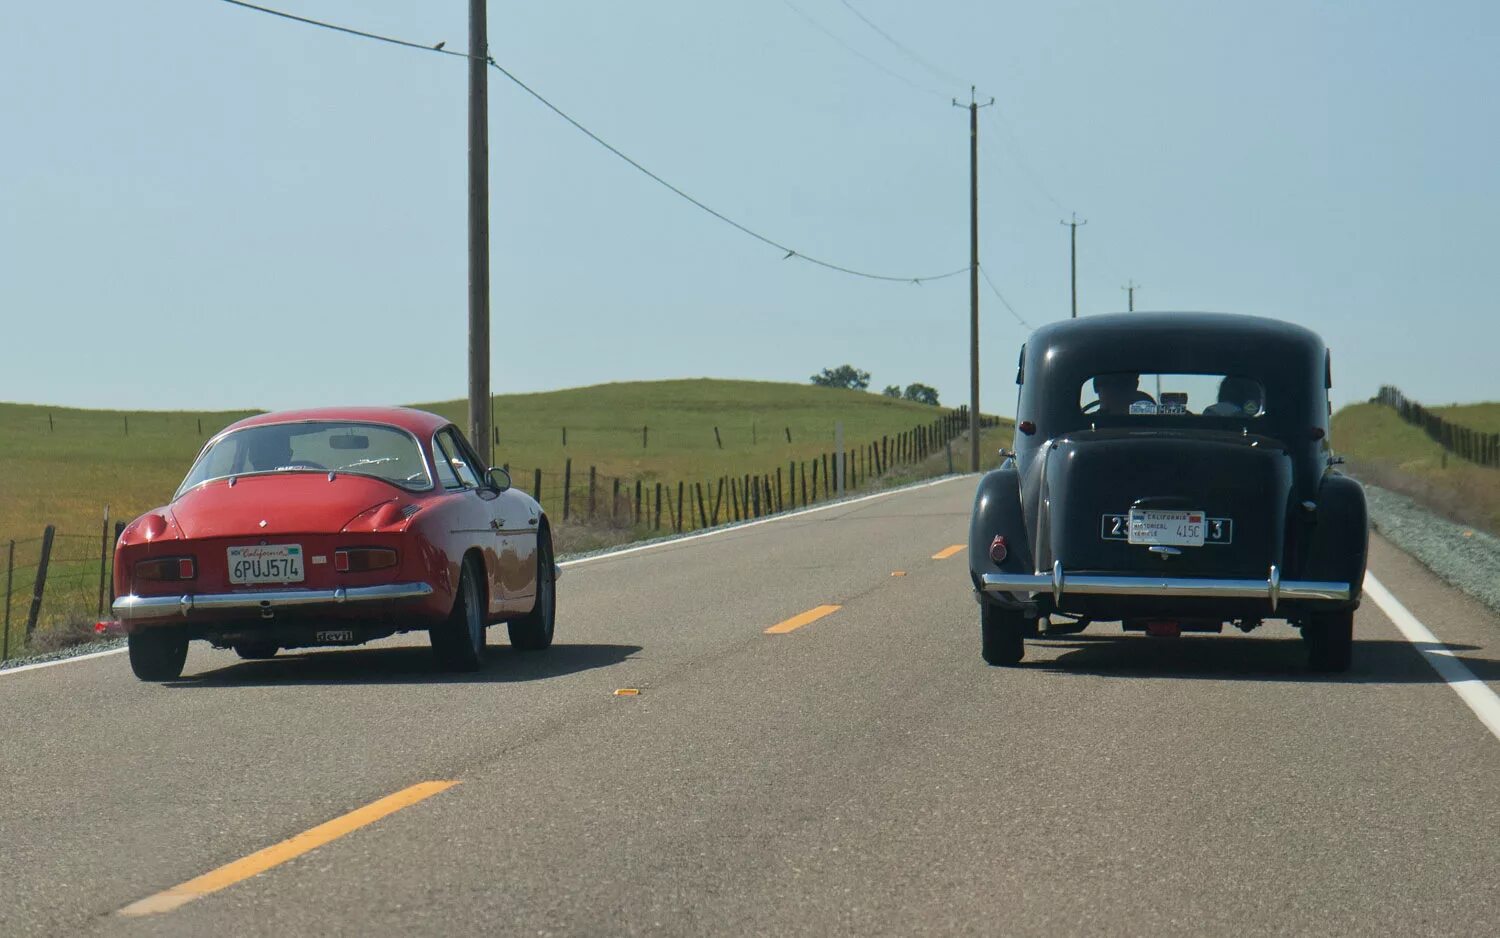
(1273, 588)
(262, 601)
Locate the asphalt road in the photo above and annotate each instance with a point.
(864, 773)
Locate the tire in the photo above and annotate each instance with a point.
(533, 631)
(157, 655)
(256, 651)
(1330, 641)
(458, 643)
(1001, 632)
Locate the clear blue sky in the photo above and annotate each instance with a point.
(205, 207)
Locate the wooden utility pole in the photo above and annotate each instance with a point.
(479, 230)
(1073, 255)
(973, 107)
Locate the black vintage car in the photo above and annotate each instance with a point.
(1172, 472)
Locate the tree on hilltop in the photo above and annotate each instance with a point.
(844, 376)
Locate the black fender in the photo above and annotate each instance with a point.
(1339, 543)
(997, 510)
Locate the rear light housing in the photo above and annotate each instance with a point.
(362, 559)
(998, 549)
(166, 568)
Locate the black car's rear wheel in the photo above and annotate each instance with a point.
(1330, 640)
(533, 631)
(459, 642)
(1001, 633)
(157, 654)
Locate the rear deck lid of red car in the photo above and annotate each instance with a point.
(278, 503)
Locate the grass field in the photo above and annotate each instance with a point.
(63, 466)
(1386, 451)
(1484, 418)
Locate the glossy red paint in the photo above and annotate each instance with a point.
(431, 532)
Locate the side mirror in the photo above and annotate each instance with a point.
(498, 479)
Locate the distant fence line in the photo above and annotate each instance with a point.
(67, 579)
(1463, 442)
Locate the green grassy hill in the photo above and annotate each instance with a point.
(65, 473)
(1385, 450)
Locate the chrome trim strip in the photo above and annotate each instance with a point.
(142, 607)
(1273, 588)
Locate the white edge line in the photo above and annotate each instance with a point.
(1473, 691)
(713, 532)
(4, 672)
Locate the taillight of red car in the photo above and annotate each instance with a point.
(363, 559)
(166, 568)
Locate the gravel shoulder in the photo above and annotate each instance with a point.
(1464, 557)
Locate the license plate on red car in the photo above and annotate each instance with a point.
(265, 563)
(1173, 528)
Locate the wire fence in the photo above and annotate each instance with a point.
(58, 586)
(1464, 442)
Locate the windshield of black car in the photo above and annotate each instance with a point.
(314, 446)
(1142, 394)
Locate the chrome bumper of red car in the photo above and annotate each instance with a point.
(261, 601)
(1273, 588)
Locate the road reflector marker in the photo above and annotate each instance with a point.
(898, 573)
(798, 621)
(947, 552)
(627, 691)
(277, 854)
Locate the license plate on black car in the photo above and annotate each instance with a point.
(1172, 528)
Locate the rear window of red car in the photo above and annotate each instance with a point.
(314, 446)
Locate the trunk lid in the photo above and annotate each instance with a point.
(279, 503)
(1092, 478)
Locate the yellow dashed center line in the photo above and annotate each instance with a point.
(798, 621)
(947, 552)
(277, 854)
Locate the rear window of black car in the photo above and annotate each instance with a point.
(1147, 394)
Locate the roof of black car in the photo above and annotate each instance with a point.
(1111, 328)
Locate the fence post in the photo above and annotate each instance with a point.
(829, 488)
(103, 553)
(536, 485)
(658, 506)
(778, 490)
(718, 500)
(593, 478)
(614, 501)
(681, 519)
(815, 479)
(565, 436)
(643, 436)
(702, 506)
(41, 581)
(717, 438)
(804, 484)
(567, 486)
(789, 434)
(637, 501)
(10, 569)
(755, 499)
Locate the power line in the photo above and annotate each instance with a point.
(789, 251)
(803, 15)
(1001, 297)
(438, 47)
(945, 76)
(1021, 163)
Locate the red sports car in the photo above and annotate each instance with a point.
(335, 526)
